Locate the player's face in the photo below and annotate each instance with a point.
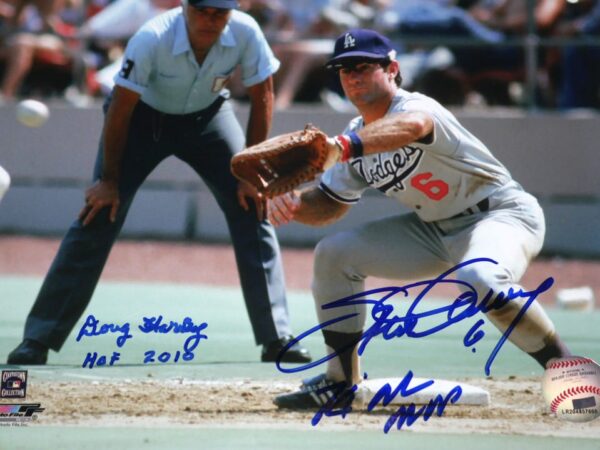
(205, 25)
(366, 83)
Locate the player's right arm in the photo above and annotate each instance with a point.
(105, 192)
(310, 207)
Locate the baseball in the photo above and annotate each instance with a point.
(32, 113)
(4, 182)
(571, 388)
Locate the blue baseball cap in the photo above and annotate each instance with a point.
(223, 4)
(360, 44)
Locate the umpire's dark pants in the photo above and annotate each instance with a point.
(207, 145)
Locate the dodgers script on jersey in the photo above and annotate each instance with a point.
(437, 179)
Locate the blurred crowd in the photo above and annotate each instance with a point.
(462, 52)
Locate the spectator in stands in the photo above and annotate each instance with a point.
(47, 9)
(316, 27)
(110, 29)
(488, 21)
(273, 17)
(304, 13)
(6, 9)
(7, 12)
(38, 33)
(580, 65)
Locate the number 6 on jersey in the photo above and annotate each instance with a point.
(434, 189)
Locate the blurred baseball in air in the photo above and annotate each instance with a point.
(4, 182)
(32, 113)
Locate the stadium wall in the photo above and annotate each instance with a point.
(553, 155)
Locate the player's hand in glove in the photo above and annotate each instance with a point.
(282, 163)
(282, 209)
(101, 195)
(335, 152)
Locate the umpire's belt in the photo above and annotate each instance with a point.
(482, 206)
(181, 122)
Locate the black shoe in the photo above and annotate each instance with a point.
(295, 354)
(28, 352)
(316, 393)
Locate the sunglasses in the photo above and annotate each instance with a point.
(209, 10)
(358, 67)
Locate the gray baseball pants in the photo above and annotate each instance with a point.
(404, 247)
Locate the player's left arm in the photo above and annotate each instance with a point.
(396, 130)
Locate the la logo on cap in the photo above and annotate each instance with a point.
(349, 41)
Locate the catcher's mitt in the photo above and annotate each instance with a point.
(280, 164)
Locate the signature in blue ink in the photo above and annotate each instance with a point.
(92, 327)
(340, 402)
(94, 359)
(391, 326)
(187, 326)
(408, 414)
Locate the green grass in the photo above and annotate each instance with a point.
(230, 353)
(78, 438)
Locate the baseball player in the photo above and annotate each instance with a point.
(464, 203)
(170, 99)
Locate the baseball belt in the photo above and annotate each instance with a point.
(481, 206)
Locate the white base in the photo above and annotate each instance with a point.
(581, 299)
(471, 395)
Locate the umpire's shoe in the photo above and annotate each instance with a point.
(28, 352)
(295, 354)
(316, 393)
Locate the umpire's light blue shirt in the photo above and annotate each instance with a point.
(160, 65)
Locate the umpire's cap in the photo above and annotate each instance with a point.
(361, 44)
(223, 4)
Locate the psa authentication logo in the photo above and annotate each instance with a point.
(13, 384)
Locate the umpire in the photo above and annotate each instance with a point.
(170, 99)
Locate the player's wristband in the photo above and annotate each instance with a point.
(352, 146)
(346, 147)
(356, 145)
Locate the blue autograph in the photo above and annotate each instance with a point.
(156, 325)
(92, 328)
(409, 414)
(391, 326)
(405, 415)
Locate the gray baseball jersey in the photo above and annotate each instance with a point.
(438, 178)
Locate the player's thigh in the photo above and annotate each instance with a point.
(394, 247)
(510, 240)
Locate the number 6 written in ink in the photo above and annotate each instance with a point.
(434, 189)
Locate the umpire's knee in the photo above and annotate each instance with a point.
(4, 182)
